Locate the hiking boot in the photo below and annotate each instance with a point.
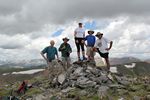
(84, 58)
(79, 59)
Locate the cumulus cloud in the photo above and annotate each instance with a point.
(14, 42)
(26, 16)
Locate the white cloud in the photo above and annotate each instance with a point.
(27, 26)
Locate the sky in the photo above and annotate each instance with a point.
(27, 26)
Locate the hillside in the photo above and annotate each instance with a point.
(84, 81)
(140, 69)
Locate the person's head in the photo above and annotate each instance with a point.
(65, 40)
(90, 32)
(80, 24)
(52, 42)
(99, 35)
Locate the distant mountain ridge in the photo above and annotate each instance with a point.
(25, 63)
(42, 62)
(115, 61)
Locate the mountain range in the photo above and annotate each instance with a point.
(41, 62)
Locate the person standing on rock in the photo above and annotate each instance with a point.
(90, 44)
(79, 35)
(65, 50)
(101, 46)
(50, 52)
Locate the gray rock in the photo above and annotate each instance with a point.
(84, 82)
(61, 78)
(117, 86)
(102, 91)
(83, 93)
(148, 97)
(40, 97)
(136, 98)
(67, 90)
(78, 71)
(103, 79)
(122, 80)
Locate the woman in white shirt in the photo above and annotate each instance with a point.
(79, 35)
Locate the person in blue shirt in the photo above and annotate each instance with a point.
(90, 44)
(50, 52)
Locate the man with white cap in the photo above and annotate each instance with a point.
(102, 47)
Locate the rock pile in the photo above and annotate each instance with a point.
(86, 75)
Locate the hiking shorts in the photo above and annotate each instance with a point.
(66, 59)
(90, 52)
(78, 42)
(103, 55)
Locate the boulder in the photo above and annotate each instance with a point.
(61, 78)
(102, 91)
(84, 82)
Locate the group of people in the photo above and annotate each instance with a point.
(92, 45)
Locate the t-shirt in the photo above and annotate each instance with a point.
(80, 32)
(90, 40)
(50, 52)
(102, 44)
(65, 49)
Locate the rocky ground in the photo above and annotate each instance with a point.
(82, 81)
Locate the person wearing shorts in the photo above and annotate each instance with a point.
(79, 35)
(65, 50)
(101, 46)
(90, 44)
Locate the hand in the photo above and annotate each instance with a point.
(63, 47)
(77, 41)
(48, 62)
(107, 49)
(82, 41)
(95, 49)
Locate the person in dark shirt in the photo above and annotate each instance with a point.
(90, 44)
(65, 50)
(50, 52)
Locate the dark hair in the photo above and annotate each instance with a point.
(80, 23)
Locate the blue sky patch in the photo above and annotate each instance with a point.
(58, 32)
(91, 25)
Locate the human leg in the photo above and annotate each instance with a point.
(83, 51)
(78, 48)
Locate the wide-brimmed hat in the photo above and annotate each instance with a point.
(65, 39)
(90, 31)
(98, 34)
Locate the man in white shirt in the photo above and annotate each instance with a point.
(79, 35)
(102, 47)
